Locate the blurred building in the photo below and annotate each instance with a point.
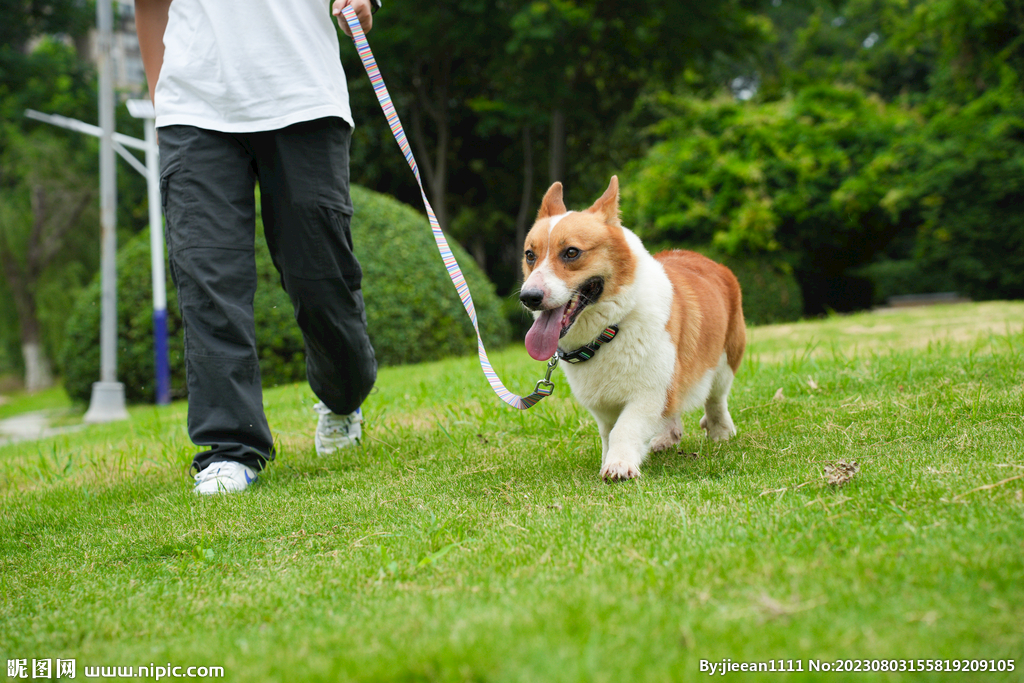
(129, 75)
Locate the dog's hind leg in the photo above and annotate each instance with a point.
(716, 421)
(671, 434)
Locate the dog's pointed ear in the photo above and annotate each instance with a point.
(607, 207)
(552, 205)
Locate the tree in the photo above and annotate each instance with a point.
(51, 73)
(963, 183)
(42, 67)
(432, 59)
(44, 199)
(49, 76)
(975, 41)
(581, 61)
(883, 148)
(27, 19)
(500, 97)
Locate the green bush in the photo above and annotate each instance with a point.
(855, 194)
(519, 319)
(957, 186)
(10, 337)
(80, 356)
(412, 309)
(797, 178)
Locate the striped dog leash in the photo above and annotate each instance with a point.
(544, 387)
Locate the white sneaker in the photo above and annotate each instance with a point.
(335, 431)
(224, 477)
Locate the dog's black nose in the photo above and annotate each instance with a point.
(531, 298)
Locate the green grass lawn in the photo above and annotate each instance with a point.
(470, 542)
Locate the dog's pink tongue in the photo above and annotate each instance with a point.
(542, 339)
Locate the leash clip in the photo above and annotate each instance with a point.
(549, 386)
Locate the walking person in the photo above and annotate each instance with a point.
(245, 93)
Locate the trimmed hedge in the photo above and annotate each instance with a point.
(412, 309)
(80, 355)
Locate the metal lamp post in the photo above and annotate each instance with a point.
(107, 402)
(143, 109)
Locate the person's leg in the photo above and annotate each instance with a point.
(304, 185)
(207, 181)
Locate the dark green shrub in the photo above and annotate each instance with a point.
(967, 181)
(10, 336)
(413, 311)
(80, 356)
(957, 186)
(770, 292)
(898, 277)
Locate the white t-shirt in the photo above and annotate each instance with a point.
(240, 67)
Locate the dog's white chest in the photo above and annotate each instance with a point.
(640, 360)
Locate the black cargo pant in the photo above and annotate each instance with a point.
(207, 180)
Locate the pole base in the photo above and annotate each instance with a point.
(107, 404)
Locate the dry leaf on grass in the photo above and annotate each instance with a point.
(840, 472)
(812, 384)
(778, 395)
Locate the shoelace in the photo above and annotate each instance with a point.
(544, 387)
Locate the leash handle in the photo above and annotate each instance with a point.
(544, 387)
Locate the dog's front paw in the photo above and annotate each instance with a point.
(619, 470)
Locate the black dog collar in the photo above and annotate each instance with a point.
(588, 351)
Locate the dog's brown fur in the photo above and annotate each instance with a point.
(707, 317)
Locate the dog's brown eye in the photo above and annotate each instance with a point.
(530, 256)
(571, 253)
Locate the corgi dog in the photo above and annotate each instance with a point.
(641, 338)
